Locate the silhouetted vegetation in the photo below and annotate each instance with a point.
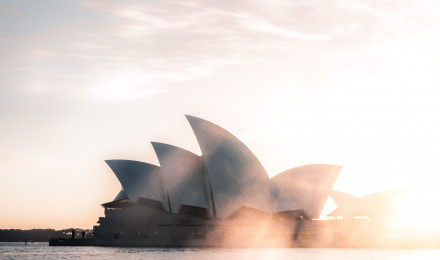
(39, 235)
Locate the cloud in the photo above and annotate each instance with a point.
(133, 49)
(266, 27)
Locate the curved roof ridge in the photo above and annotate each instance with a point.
(307, 165)
(377, 205)
(304, 188)
(390, 192)
(347, 204)
(121, 195)
(236, 175)
(182, 174)
(154, 143)
(139, 179)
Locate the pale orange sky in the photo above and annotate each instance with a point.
(352, 83)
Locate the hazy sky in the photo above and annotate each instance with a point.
(350, 82)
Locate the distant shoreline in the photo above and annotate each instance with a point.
(36, 235)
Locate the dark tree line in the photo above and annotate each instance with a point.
(39, 235)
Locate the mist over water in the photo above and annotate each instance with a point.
(43, 251)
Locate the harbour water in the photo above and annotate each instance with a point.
(43, 251)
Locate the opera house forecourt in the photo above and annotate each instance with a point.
(225, 198)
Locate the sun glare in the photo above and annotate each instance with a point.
(419, 210)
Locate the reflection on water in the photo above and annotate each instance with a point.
(43, 251)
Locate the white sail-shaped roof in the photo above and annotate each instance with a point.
(304, 188)
(122, 195)
(236, 176)
(379, 205)
(139, 180)
(348, 205)
(182, 173)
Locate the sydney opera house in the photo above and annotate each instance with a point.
(223, 194)
(224, 197)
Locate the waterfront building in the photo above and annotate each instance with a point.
(222, 194)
